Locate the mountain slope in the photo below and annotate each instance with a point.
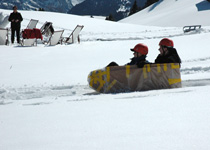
(46, 104)
(119, 9)
(48, 5)
(173, 13)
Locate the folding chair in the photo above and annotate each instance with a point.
(3, 20)
(55, 38)
(47, 29)
(4, 36)
(30, 37)
(32, 24)
(74, 36)
(28, 42)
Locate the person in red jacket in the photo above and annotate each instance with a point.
(15, 18)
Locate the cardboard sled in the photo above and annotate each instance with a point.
(128, 78)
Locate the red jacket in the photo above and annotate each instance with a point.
(32, 34)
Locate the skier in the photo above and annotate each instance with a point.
(140, 52)
(15, 18)
(168, 53)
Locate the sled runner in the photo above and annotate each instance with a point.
(131, 78)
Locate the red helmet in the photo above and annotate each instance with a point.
(166, 42)
(141, 48)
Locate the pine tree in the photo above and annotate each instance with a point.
(41, 9)
(150, 2)
(134, 8)
(110, 17)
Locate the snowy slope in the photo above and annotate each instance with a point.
(46, 104)
(173, 13)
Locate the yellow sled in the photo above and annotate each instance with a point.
(131, 78)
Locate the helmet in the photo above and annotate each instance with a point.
(141, 48)
(166, 42)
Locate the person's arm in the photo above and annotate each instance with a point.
(21, 18)
(174, 59)
(159, 59)
(10, 18)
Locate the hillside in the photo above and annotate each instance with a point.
(118, 9)
(48, 5)
(46, 103)
(171, 13)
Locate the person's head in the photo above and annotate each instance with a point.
(15, 8)
(164, 44)
(139, 50)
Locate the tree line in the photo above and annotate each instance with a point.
(135, 8)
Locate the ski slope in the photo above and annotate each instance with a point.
(46, 104)
(173, 13)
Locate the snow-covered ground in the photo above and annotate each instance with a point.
(46, 103)
(170, 13)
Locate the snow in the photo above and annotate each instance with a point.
(75, 2)
(46, 103)
(170, 13)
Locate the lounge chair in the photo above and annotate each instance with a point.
(55, 38)
(32, 24)
(4, 36)
(74, 36)
(28, 42)
(3, 20)
(29, 39)
(30, 36)
(47, 29)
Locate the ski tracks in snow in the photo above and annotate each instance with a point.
(9, 95)
(33, 96)
(194, 66)
(42, 95)
(142, 35)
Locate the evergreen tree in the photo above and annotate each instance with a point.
(110, 17)
(41, 9)
(150, 2)
(134, 8)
